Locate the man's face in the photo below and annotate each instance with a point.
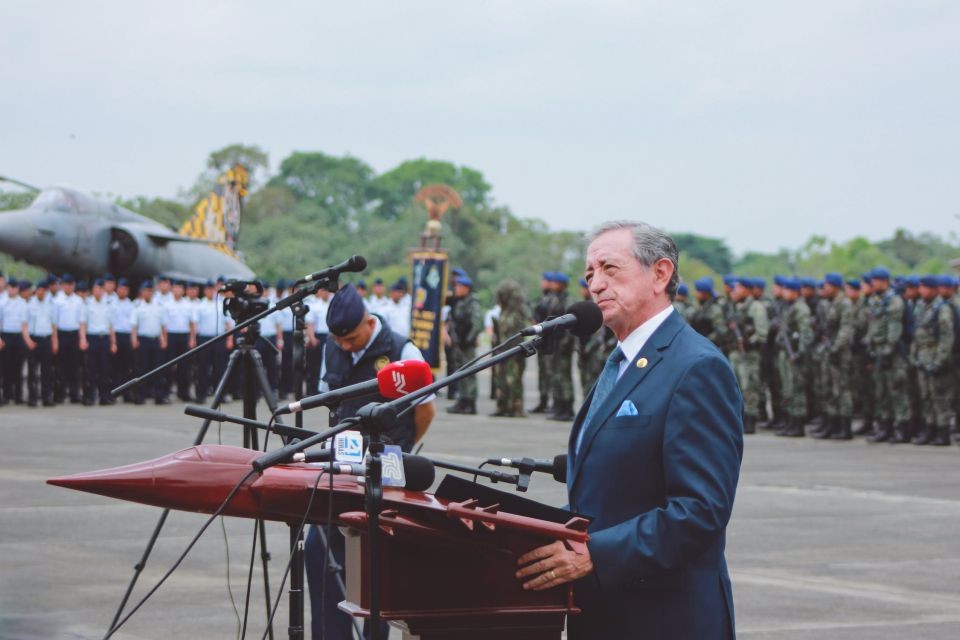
(461, 290)
(790, 294)
(853, 294)
(25, 293)
(178, 291)
(701, 296)
(68, 287)
(164, 286)
(879, 284)
(358, 338)
(829, 291)
(928, 293)
(946, 292)
(146, 293)
(910, 293)
(193, 292)
(41, 293)
(323, 294)
(740, 292)
(123, 291)
(378, 290)
(97, 291)
(396, 294)
(109, 286)
(624, 289)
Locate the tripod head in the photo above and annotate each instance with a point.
(245, 300)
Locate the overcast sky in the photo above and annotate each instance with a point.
(759, 122)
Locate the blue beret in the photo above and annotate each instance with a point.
(681, 289)
(110, 277)
(866, 277)
(346, 311)
(879, 273)
(457, 271)
(808, 282)
(854, 284)
(67, 277)
(193, 284)
(82, 286)
(547, 275)
(704, 284)
(399, 286)
(146, 284)
(833, 279)
(12, 282)
(730, 280)
(930, 281)
(912, 281)
(583, 283)
(948, 281)
(221, 278)
(42, 283)
(25, 284)
(210, 283)
(793, 284)
(99, 282)
(123, 282)
(380, 280)
(361, 283)
(759, 283)
(562, 278)
(779, 280)
(464, 280)
(163, 279)
(281, 284)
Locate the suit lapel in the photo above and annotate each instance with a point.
(630, 380)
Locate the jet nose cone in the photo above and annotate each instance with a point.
(17, 233)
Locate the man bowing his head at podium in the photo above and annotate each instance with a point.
(654, 457)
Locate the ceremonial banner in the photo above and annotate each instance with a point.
(428, 295)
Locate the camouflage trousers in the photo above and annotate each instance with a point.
(936, 398)
(793, 385)
(913, 393)
(862, 382)
(590, 370)
(837, 385)
(746, 366)
(561, 375)
(467, 389)
(889, 389)
(814, 383)
(509, 386)
(544, 365)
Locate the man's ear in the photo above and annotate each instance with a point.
(662, 272)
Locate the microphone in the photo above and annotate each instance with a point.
(581, 319)
(418, 471)
(393, 381)
(556, 467)
(351, 265)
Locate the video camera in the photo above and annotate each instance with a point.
(244, 304)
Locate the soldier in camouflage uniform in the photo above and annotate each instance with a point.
(861, 393)
(948, 291)
(466, 324)
(514, 317)
(768, 365)
(887, 352)
(682, 303)
(561, 365)
(749, 323)
(932, 354)
(795, 338)
(815, 387)
(707, 319)
(544, 360)
(837, 340)
(908, 290)
(758, 289)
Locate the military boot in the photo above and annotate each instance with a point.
(778, 421)
(901, 433)
(469, 407)
(882, 432)
(794, 429)
(942, 438)
(542, 407)
(749, 424)
(564, 411)
(843, 430)
(925, 434)
(457, 407)
(826, 430)
(865, 428)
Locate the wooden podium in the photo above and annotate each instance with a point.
(447, 564)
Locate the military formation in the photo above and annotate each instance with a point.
(64, 340)
(819, 353)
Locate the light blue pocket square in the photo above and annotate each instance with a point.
(627, 409)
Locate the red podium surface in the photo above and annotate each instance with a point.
(447, 567)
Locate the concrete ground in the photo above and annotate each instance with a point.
(828, 539)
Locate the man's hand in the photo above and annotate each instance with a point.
(553, 565)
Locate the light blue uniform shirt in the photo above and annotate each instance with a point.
(148, 317)
(179, 315)
(14, 315)
(208, 314)
(98, 317)
(42, 316)
(71, 313)
(120, 312)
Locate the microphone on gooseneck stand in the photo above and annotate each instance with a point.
(556, 467)
(393, 381)
(354, 264)
(581, 319)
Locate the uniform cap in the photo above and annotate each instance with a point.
(82, 286)
(583, 283)
(281, 284)
(67, 277)
(99, 282)
(793, 284)
(808, 282)
(759, 283)
(464, 280)
(682, 289)
(948, 281)
(123, 282)
(778, 280)
(25, 284)
(147, 284)
(346, 311)
(854, 284)
(562, 278)
(879, 273)
(704, 284)
(930, 281)
(833, 279)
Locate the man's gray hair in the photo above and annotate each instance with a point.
(649, 245)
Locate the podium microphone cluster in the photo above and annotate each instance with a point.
(582, 319)
(395, 380)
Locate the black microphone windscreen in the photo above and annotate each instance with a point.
(589, 318)
(419, 472)
(358, 263)
(560, 468)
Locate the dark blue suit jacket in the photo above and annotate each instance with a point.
(660, 487)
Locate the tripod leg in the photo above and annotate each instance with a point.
(201, 434)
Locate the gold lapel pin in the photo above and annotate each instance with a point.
(642, 362)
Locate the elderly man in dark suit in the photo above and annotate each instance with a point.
(654, 457)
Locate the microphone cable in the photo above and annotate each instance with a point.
(176, 565)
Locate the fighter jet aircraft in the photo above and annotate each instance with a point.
(67, 231)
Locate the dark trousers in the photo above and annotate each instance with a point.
(96, 377)
(14, 354)
(177, 346)
(123, 363)
(314, 360)
(210, 364)
(68, 364)
(267, 348)
(149, 357)
(40, 371)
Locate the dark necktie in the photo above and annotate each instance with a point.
(608, 378)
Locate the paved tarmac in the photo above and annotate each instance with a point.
(828, 539)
